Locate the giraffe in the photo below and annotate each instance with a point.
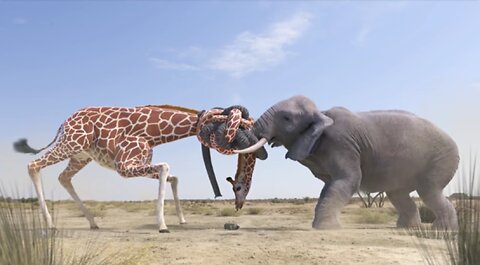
(122, 139)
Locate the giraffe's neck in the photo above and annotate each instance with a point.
(167, 125)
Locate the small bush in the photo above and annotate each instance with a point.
(426, 215)
(308, 199)
(228, 212)
(276, 200)
(254, 211)
(373, 216)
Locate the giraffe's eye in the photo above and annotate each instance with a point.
(238, 188)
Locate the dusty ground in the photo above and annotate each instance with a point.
(272, 232)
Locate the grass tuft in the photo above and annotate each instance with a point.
(25, 239)
(254, 211)
(463, 246)
(228, 212)
(373, 216)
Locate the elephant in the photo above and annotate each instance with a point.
(392, 151)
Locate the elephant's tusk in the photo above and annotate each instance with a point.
(252, 148)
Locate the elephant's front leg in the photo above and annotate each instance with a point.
(345, 182)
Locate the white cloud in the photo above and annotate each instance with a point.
(362, 35)
(167, 65)
(251, 52)
(19, 21)
(248, 53)
(372, 18)
(192, 51)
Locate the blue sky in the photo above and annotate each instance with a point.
(57, 57)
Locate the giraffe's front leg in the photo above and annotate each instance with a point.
(174, 184)
(162, 174)
(133, 159)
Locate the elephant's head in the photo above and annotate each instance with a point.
(295, 123)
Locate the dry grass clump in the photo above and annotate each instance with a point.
(463, 246)
(135, 207)
(254, 211)
(374, 216)
(25, 240)
(98, 210)
(228, 212)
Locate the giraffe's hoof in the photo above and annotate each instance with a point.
(183, 223)
(94, 227)
(162, 231)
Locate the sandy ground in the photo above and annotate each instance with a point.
(277, 233)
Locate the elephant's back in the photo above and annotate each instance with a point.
(403, 147)
(404, 128)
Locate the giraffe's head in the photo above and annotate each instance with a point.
(243, 178)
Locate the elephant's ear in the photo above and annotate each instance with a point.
(305, 143)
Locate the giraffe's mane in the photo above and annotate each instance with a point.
(172, 107)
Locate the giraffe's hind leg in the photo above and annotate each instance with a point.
(51, 157)
(71, 143)
(76, 164)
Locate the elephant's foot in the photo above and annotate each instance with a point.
(446, 223)
(331, 223)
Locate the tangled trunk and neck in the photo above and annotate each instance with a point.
(228, 130)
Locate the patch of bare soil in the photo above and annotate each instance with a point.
(273, 233)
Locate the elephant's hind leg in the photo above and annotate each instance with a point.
(445, 214)
(431, 192)
(408, 215)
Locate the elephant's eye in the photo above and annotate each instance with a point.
(286, 118)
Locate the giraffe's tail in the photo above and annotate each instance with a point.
(22, 146)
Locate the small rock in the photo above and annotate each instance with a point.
(231, 226)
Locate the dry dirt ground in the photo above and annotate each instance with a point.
(271, 232)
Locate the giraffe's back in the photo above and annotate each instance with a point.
(100, 129)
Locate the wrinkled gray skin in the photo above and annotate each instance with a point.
(392, 151)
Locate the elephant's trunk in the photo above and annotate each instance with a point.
(261, 129)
